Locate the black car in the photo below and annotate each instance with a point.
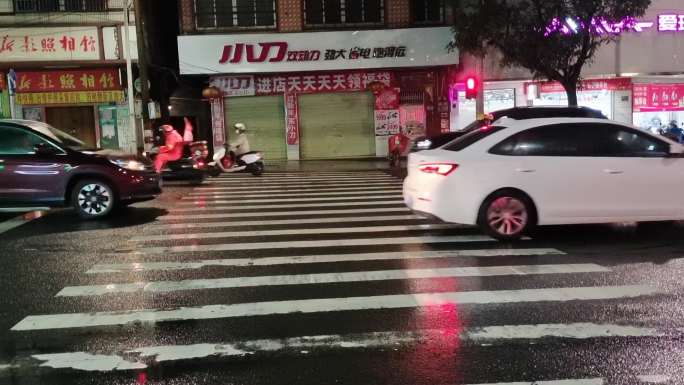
(517, 113)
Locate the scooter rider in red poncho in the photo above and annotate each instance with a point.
(173, 145)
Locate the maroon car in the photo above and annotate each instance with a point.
(43, 166)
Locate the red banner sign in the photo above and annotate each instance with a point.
(658, 97)
(292, 118)
(68, 80)
(313, 83)
(615, 84)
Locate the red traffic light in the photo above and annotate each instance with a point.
(471, 85)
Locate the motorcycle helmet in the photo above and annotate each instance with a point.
(167, 128)
(240, 128)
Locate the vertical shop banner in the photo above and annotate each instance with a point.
(218, 125)
(126, 133)
(109, 138)
(292, 118)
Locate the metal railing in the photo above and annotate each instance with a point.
(343, 13)
(235, 14)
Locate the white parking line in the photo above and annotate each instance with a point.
(399, 301)
(324, 278)
(311, 259)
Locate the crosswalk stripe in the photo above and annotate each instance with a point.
(324, 278)
(320, 184)
(308, 179)
(286, 213)
(275, 222)
(239, 206)
(286, 187)
(581, 381)
(326, 230)
(227, 190)
(370, 193)
(398, 301)
(326, 199)
(300, 173)
(313, 259)
(20, 220)
(310, 244)
(139, 358)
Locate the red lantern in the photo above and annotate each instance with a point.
(376, 87)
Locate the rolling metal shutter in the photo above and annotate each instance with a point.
(337, 125)
(265, 120)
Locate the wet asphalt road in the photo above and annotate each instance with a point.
(326, 279)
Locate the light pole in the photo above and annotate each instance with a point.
(129, 77)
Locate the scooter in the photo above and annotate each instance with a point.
(227, 161)
(191, 166)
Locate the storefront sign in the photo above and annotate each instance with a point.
(315, 51)
(658, 97)
(314, 83)
(40, 98)
(292, 118)
(234, 85)
(669, 22)
(387, 122)
(68, 80)
(49, 44)
(616, 84)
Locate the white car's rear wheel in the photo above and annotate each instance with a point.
(506, 215)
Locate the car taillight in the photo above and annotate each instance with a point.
(438, 168)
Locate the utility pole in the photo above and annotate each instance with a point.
(479, 101)
(140, 15)
(139, 136)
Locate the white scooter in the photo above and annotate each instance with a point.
(251, 162)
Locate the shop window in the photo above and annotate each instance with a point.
(25, 6)
(427, 11)
(218, 14)
(343, 12)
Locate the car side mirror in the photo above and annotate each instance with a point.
(44, 149)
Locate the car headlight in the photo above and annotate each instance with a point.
(424, 144)
(132, 165)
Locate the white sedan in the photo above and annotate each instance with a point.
(514, 175)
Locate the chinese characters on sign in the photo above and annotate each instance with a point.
(274, 52)
(671, 23)
(68, 80)
(50, 44)
(335, 82)
(658, 97)
(387, 122)
(292, 118)
(615, 84)
(69, 86)
(70, 97)
(218, 122)
(234, 85)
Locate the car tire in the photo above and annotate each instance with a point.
(93, 199)
(507, 215)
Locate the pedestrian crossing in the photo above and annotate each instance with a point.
(309, 248)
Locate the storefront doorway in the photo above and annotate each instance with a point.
(337, 125)
(76, 121)
(265, 120)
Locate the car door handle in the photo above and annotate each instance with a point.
(613, 172)
(526, 170)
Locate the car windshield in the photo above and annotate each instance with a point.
(59, 136)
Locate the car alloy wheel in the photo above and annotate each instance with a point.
(507, 216)
(93, 199)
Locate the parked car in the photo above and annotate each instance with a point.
(43, 166)
(517, 113)
(514, 175)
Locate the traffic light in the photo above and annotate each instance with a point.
(471, 87)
